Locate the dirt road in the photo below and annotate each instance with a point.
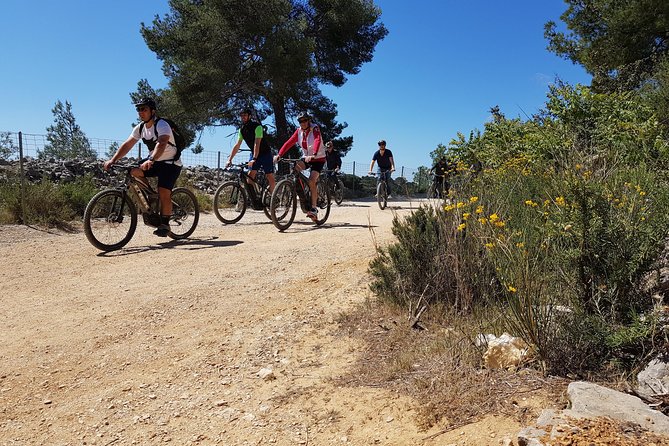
(227, 338)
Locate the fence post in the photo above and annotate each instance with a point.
(402, 172)
(353, 176)
(23, 187)
(218, 166)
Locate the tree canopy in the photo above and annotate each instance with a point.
(66, 139)
(620, 43)
(272, 55)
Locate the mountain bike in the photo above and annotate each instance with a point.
(335, 185)
(283, 204)
(233, 197)
(110, 218)
(382, 188)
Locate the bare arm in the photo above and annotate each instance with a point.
(121, 152)
(235, 149)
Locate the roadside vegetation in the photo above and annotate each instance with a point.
(557, 237)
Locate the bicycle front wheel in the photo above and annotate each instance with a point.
(381, 197)
(230, 202)
(283, 205)
(338, 194)
(185, 213)
(323, 202)
(110, 220)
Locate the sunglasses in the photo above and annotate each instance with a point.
(142, 109)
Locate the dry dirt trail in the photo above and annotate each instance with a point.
(163, 342)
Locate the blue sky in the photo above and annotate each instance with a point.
(442, 66)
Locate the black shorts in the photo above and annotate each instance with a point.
(315, 166)
(166, 171)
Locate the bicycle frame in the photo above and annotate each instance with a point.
(292, 188)
(301, 182)
(249, 184)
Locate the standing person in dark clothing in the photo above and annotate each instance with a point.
(251, 132)
(442, 169)
(386, 164)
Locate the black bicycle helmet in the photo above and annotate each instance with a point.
(382, 142)
(303, 115)
(146, 102)
(245, 111)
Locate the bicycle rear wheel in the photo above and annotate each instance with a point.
(381, 197)
(185, 213)
(110, 220)
(283, 205)
(266, 198)
(324, 203)
(230, 202)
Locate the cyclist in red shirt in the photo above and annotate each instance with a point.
(308, 137)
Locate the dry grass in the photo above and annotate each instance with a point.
(440, 367)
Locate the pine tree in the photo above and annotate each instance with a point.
(66, 139)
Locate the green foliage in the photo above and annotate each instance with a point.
(222, 56)
(8, 148)
(78, 193)
(619, 43)
(411, 267)
(45, 204)
(561, 227)
(66, 140)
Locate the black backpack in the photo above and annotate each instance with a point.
(179, 139)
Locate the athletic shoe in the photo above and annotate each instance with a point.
(313, 214)
(162, 231)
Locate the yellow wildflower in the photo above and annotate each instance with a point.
(560, 201)
(479, 210)
(531, 203)
(520, 245)
(489, 245)
(449, 207)
(462, 226)
(511, 289)
(483, 220)
(494, 218)
(466, 215)
(499, 224)
(642, 193)
(473, 199)
(460, 205)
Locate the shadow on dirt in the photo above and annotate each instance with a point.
(192, 244)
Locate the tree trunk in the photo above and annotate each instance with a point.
(282, 130)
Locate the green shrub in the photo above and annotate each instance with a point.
(79, 192)
(45, 204)
(559, 230)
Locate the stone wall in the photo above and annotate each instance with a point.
(203, 178)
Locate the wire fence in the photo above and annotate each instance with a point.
(32, 145)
